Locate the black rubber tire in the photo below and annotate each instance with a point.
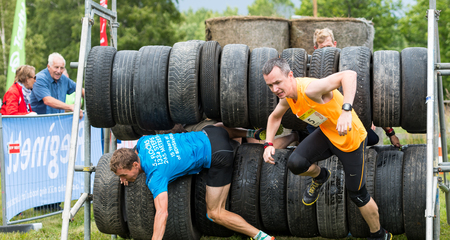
(233, 85)
(273, 193)
(414, 90)
(331, 205)
(302, 219)
(199, 126)
(356, 223)
(206, 226)
(324, 62)
(125, 132)
(414, 191)
(297, 59)
(183, 82)
(388, 190)
(261, 101)
(122, 87)
(142, 132)
(181, 221)
(140, 208)
(209, 79)
(386, 95)
(150, 88)
(381, 148)
(97, 86)
(358, 59)
(245, 184)
(108, 200)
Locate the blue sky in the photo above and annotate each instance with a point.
(221, 5)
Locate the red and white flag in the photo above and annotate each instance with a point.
(103, 22)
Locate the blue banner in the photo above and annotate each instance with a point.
(36, 154)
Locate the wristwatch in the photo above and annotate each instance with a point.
(347, 107)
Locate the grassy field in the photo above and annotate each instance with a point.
(51, 229)
(51, 226)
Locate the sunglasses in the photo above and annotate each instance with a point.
(33, 77)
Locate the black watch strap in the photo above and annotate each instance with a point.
(347, 107)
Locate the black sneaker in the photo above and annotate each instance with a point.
(387, 236)
(312, 191)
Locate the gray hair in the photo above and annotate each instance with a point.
(52, 56)
(281, 63)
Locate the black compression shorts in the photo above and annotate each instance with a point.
(221, 171)
(318, 147)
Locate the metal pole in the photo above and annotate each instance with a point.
(107, 139)
(74, 136)
(437, 219)
(114, 25)
(87, 145)
(84, 197)
(2, 158)
(429, 214)
(432, 5)
(87, 178)
(442, 120)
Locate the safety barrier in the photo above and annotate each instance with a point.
(35, 160)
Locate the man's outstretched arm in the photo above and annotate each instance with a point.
(161, 205)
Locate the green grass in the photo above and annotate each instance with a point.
(51, 229)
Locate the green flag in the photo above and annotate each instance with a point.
(17, 51)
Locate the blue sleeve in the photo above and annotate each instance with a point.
(157, 184)
(41, 88)
(138, 144)
(72, 86)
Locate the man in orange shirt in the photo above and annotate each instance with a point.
(325, 38)
(340, 133)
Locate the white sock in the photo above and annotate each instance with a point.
(251, 133)
(261, 235)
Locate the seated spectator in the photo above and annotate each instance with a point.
(17, 99)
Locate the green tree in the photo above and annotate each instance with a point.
(414, 27)
(55, 26)
(381, 12)
(7, 10)
(275, 8)
(147, 22)
(192, 26)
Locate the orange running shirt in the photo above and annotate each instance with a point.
(327, 115)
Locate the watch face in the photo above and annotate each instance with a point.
(347, 107)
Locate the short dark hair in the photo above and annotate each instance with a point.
(281, 63)
(123, 158)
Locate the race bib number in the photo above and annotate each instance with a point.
(312, 117)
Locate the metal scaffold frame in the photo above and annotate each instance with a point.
(91, 9)
(435, 111)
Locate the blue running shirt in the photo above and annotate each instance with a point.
(169, 156)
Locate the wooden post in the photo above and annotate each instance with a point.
(315, 8)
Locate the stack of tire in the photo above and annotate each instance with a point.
(269, 197)
(137, 92)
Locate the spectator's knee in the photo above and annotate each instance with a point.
(298, 164)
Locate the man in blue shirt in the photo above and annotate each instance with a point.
(163, 158)
(49, 91)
